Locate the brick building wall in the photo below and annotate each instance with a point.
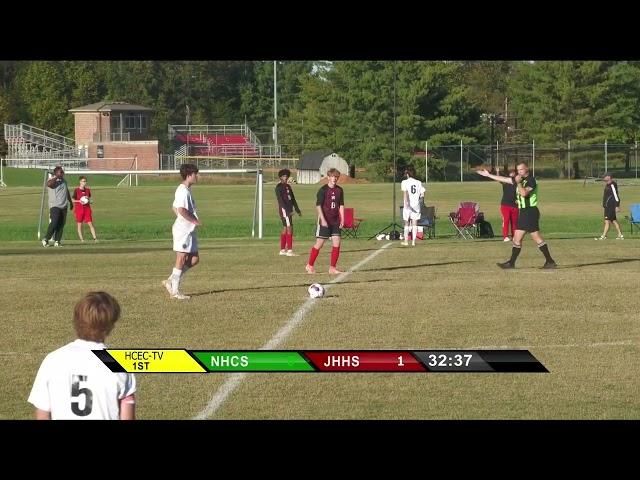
(147, 152)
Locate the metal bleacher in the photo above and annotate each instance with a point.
(215, 145)
(33, 147)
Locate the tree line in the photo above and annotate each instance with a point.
(347, 106)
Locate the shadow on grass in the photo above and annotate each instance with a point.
(404, 267)
(79, 249)
(223, 290)
(608, 262)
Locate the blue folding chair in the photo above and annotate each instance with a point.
(634, 216)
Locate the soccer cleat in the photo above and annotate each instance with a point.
(620, 237)
(310, 270)
(506, 265)
(405, 243)
(57, 244)
(549, 265)
(283, 252)
(167, 285)
(45, 243)
(95, 240)
(179, 296)
(334, 271)
(413, 244)
(291, 254)
(600, 238)
(506, 239)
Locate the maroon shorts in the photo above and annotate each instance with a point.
(83, 214)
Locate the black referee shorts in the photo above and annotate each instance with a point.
(610, 213)
(529, 219)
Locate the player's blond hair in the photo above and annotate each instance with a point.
(95, 315)
(333, 172)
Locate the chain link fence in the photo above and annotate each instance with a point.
(459, 162)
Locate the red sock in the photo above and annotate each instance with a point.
(335, 253)
(283, 241)
(289, 241)
(313, 255)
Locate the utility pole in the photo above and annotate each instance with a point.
(275, 106)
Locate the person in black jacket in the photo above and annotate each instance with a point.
(286, 204)
(611, 205)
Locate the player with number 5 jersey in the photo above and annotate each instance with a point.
(73, 383)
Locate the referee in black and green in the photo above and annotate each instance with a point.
(528, 214)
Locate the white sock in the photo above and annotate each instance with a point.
(414, 232)
(406, 233)
(175, 279)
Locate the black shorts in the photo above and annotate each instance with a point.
(326, 232)
(529, 219)
(610, 213)
(287, 221)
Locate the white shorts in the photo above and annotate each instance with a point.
(408, 214)
(185, 242)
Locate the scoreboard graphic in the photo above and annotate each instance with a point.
(287, 361)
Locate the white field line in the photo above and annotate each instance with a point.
(235, 379)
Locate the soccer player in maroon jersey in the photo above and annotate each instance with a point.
(286, 204)
(330, 207)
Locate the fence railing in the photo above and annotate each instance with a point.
(459, 162)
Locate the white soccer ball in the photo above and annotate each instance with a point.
(316, 290)
(380, 237)
(401, 236)
(84, 200)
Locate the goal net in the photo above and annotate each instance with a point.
(133, 178)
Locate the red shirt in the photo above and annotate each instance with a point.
(79, 193)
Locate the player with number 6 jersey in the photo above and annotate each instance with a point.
(413, 192)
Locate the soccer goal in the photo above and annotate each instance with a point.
(132, 177)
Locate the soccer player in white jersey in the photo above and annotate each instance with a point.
(73, 383)
(185, 242)
(413, 192)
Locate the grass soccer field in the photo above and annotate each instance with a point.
(580, 320)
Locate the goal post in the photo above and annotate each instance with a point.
(258, 218)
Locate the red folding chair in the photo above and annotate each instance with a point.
(351, 223)
(466, 219)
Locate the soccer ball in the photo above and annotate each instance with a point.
(84, 200)
(316, 290)
(380, 236)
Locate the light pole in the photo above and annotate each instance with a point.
(275, 106)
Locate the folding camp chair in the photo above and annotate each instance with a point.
(466, 220)
(351, 223)
(428, 220)
(634, 216)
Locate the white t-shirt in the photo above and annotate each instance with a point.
(414, 191)
(73, 384)
(184, 199)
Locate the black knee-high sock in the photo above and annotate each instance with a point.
(544, 248)
(515, 251)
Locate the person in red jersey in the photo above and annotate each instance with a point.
(330, 207)
(82, 208)
(286, 204)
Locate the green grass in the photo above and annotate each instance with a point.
(580, 321)
(144, 212)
